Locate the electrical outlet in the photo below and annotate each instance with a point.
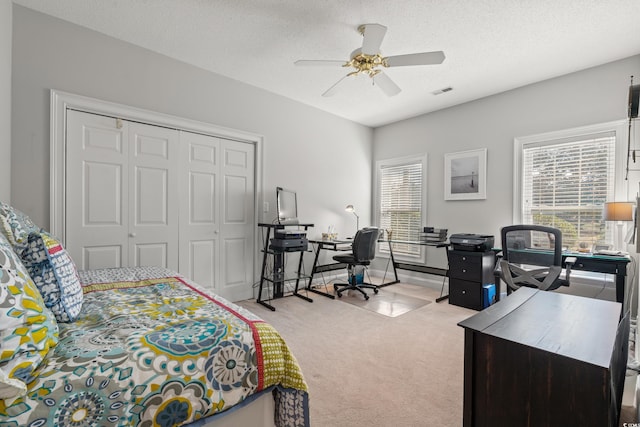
(265, 207)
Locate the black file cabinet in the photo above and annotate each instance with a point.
(468, 271)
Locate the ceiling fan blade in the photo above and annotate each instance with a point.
(373, 35)
(424, 58)
(333, 89)
(318, 62)
(387, 85)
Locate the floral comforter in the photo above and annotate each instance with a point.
(151, 348)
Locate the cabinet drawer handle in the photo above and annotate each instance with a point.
(464, 258)
(464, 292)
(464, 271)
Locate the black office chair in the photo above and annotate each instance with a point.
(363, 250)
(532, 257)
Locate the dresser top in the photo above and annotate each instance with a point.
(576, 327)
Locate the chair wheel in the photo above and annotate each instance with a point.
(366, 297)
(339, 294)
(375, 291)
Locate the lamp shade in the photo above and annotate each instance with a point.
(618, 211)
(349, 208)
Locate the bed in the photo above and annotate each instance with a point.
(147, 347)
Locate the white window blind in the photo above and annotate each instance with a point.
(566, 183)
(400, 209)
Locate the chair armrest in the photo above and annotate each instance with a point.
(497, 272)
(569, 261)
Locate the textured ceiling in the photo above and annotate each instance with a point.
(490, 45)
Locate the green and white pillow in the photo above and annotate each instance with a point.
(16, 226)
(28, 329)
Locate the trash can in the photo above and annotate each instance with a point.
(359, 273)
(488, 294)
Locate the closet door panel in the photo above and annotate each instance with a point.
(96, 204)
(151, 254)
(238, 222)
(202, 253)
(235, 254)
(153, 196)
(96, 256)
(200, 210)
(102, 196)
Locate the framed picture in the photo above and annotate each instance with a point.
(465, 175)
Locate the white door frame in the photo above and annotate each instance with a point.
(63, 101)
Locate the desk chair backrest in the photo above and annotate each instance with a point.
(532, 245)
(364, 244)
(525, 247)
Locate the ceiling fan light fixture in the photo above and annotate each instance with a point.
(366, 64)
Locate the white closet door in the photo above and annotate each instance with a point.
(218, 224)
(238, 222)
(153, 195)
(139, 194)
(200, 209)
(96, 191)
(121, 193)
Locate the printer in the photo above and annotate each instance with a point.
(471, 242)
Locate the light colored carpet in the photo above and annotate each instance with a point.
(364, 369)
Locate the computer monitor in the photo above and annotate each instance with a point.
(287, 203)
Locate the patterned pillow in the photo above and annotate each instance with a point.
(28, 329)
(55, 275)
(6, 231)
(20, 224)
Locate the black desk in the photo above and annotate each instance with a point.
(345, 245)
(603, 264)
(609, 264)
(420, 268)
(278, 278)
(331, 245)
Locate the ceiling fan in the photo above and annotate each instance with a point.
(368, 60)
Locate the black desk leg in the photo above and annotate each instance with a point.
(395, 271)
(295, 291)
(443, 297)
(313, 272)
(620, 281)
(264, 266)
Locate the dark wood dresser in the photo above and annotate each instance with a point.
(541, 358)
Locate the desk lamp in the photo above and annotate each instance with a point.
(619, 212)
(349, 208)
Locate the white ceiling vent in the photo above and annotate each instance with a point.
(443, 90)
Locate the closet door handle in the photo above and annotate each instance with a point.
(132, 234)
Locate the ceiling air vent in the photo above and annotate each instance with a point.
(443, 90)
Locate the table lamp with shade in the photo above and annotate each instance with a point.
(619, 212)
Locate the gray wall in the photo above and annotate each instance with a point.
(5, 100)
(305, 149)
(591, 96)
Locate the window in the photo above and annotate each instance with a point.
(401, 201)
(564, 182)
